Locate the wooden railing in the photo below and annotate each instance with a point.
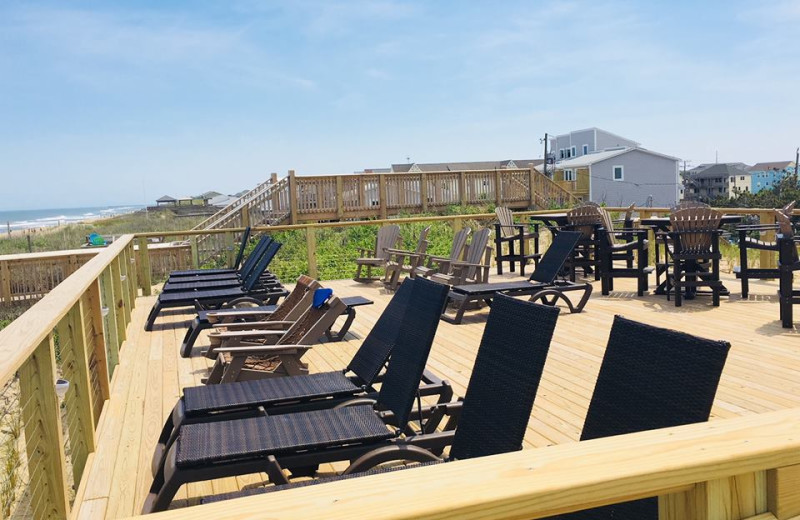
(74, 333)
(727, 469)
(32, 275)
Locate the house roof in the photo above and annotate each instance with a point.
(721, 170)
(166, 198)
(595, 129)
(461, 166)
(775, 165)
(591, 158)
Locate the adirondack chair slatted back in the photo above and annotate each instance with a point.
(459, 243)
(377, 346)
(505, 377)
(696, 228)
(313, 323)
(476, 252)
(422, 243)
(584, 219)
(785, 229)
(302, 294)
(506, 220)
(387, 239)
(690, 204)
(608, 225)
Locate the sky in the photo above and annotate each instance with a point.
(105, 103)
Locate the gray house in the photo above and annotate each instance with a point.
(622, 176)
(582, 142)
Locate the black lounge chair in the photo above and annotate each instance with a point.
(321, 390)
(489, 421)
(301, 441)
(233, 269)
(650, 378)
(265, 279)
(542, 286)
(212, 298)
(224, 274)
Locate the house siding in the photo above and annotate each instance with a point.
(645, 175)
(606, 140)
(576, 139)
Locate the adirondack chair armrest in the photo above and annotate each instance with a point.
(249, 333)
(226, 317)
(247, 325)
(265, 349)
(364, 251)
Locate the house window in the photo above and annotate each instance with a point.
(585, 149)
(619, 173)
(561, 153)
(741, 178)
(574, 152)
(569, 175)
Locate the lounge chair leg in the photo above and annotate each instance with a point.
(164, 486)
(151, 318)
(191, 336)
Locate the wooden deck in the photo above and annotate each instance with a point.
(762, 374)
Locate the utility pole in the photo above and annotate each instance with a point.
(797, 161)
(545, 154)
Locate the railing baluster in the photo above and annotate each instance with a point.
(110, 319)
(118, 303)
(143, 268)
(95, 308)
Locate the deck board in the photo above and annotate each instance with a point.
(762, 374)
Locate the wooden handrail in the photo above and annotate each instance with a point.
(20, 339)
(675, 463)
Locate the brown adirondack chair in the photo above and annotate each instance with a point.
(695, 255)
(517, 237)
(250, 360)
(585, 219)
(437, 264)
(475, 266)
(401, 261)
(386, 239)
(620, 245)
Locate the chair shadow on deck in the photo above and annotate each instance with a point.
(774, 328)
(693, 306)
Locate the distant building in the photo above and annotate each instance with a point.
(765, 175)
(582, 142)
(166, 200)
(508, 164)
(621, 176)
(717, 180)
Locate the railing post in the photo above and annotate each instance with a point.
(498, 190)
(292, 198)
(782, 486)
(462, 187)
(195, 252)
(339, 196)
(382, 195)
(133, 277)
(5, 282)
(144, 275)
(43, 434)
(275, 201)
(531, 187)
(95, 308)
(423, 191)
(244, 211)
(768, 259)
(457, 225)
(311, 251)
(230, 246)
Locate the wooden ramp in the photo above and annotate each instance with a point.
(762, 374)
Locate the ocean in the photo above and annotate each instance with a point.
(36, 218)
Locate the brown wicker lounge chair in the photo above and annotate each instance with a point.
(672, 382)
(475, 266)
(400, 261)
(441, 264)
(517, 236)
(386, 239)
(486, 422)
(299, 442)
(255, 354)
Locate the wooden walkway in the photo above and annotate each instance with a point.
(762, 374)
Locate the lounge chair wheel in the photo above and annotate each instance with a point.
(550, 297)
(304, 471)
(244, 301)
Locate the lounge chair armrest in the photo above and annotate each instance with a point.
(265, 349)
(357, 402)
(254, 325)
(249, 333)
